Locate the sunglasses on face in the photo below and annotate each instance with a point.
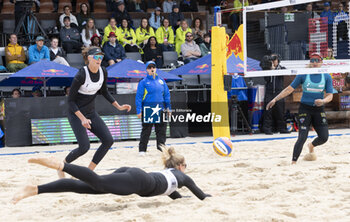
(184, 164)
(188, 36)
(314, 60)
(97, 57)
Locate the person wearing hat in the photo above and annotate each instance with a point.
(121, 13)
(87, 83)
(114, 52)
(327, 13)
(311, 110)
(176, 17)
(152, 92)
(188, 6)
(273, 119)
(38, 51)
(156, 18)
(36, 91)
(95, 40)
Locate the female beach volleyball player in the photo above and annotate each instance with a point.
(311, 110)
(90, 80)
(123, 181)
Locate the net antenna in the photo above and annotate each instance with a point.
(318, 39)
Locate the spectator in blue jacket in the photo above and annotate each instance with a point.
(327, 13)
(114, 52)
(38, 51)
(156, 19)
(152, 102)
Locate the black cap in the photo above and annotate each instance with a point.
(95, 51)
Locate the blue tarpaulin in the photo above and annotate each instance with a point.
(132, 69)
(203, 66)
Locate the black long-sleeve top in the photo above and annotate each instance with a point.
(150, 54)
(161, 185)
(86, 103)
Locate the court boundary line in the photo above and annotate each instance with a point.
(170, 144)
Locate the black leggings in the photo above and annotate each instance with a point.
(160, 129)
(99, 128)
(317, 117)
(124, 181)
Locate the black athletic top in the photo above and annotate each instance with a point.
(86, 103)
(161, 185)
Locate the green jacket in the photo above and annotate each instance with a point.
(180, 38)
(107, 30)
(126, 36)
(161, 34)
(204, 50)
(142, 34)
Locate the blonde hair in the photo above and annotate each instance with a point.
(170, 158)
(85, 54)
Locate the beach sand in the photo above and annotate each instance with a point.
(256, 184)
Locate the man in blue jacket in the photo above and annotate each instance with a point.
(327, 13)
(38, 51)
(114, 52)
(152, 100)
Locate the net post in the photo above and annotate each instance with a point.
(244, 14)
(217, 16)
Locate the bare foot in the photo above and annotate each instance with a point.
(60, 174)
(49, 162)
(27, 191)
(311, 148)
(294, 162)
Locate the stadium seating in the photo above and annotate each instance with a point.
(2, 56)
(169, 57)
(205, 79)
(75, 60)
(133, 55)
(8, 26)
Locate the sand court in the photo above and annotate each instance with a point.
(256, 184)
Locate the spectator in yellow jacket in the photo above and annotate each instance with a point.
(14, 55)
(111, 27)
(143, 33)
(127, 37)
(165, 36)
(181, 35)
(234, 15)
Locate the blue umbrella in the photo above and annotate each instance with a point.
(203, 66)
(197, 67)
(132, 69)
(43, 73)
(236, 65)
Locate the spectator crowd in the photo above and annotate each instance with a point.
(155, 34)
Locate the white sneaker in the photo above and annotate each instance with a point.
(142, 153)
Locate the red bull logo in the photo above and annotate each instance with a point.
(234, 46)
(136, 71)
(53, 70)
(203, 66)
